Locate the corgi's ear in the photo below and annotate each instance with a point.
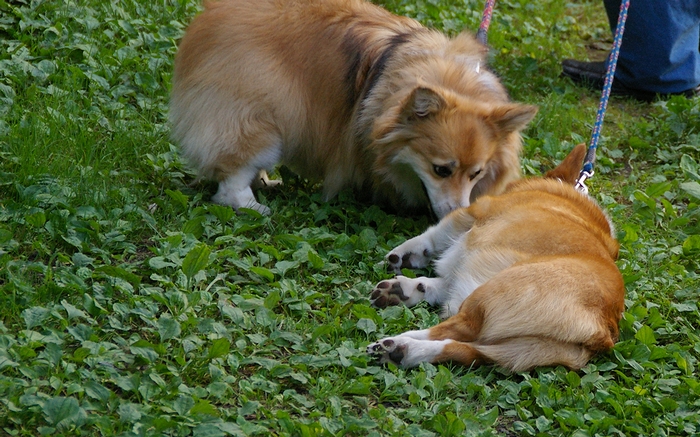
(511, 118)
(570, 167)
(422, 103)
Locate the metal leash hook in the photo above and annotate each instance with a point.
(581, 182)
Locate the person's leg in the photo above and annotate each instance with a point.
(660, 47)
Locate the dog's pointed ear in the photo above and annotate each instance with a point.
(570, 167)
(422, 103)
(512, 117)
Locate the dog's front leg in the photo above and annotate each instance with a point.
(418, 251)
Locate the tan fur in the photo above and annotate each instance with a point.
(556, 299)
(344, 92)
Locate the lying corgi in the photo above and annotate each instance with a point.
(528, 279)
(344, 92)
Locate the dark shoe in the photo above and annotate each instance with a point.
(588, 73)
(592, 74)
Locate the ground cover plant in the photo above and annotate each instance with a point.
(131, 305)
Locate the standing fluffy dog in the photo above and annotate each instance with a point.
(344, 92)
(529, 278)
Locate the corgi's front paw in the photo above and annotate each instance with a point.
(397, 291)
(388, 350)
(415, 253)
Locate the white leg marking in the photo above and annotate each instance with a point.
(406, 351)
(235, 191)
(418, 251)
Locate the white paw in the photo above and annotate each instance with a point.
(239, 199)
(388, 350)
(397, 291)
(405, 351)
(415, 253)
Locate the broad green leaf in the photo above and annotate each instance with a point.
(367, 325)
(366, 240)
(218, 389)
(358, 387)
(219, 348)
(145, 80)
(34, 316)
(272, 299)
(207, 430)
(36, 219)
(263, 272)
(315, 260)
(159, 262)
(129, 412)
(690, 167)
(97, 391)
(249, 408)
(657, 189)
(183, 404)
(669, 404)
(222, 213)
(691, 245)
(62, 412)
(570, 417)
(179, 198)
(204, 407)
(168, 328)
(573, 379)
(489, 417)
(692, 188)
(195, 260)
(145, 350)
(72, 311)
(645, 335)
(194, 226)
(283, 266)
(118, 272)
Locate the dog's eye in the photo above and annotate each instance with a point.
(442, 170)
(475, 174)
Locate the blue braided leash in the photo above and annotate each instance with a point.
(611, 64)
(587, 171)
(485, 21)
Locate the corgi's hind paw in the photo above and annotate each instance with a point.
(396, 291)
(408, 349)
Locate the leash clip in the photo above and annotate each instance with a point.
(581, 182)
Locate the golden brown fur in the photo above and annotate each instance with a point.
(344, 92)
(528, 278)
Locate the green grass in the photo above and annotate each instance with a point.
(130, 305)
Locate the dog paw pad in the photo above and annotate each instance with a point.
(388, 350)
(394, 259)
(387, 293)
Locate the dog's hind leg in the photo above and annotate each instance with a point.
(407, 291)
(407, 352)
(418, 251)
(515, 354)
(448, 341)
(519, 354)
(235, 189)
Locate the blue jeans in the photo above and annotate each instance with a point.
(660, 49)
